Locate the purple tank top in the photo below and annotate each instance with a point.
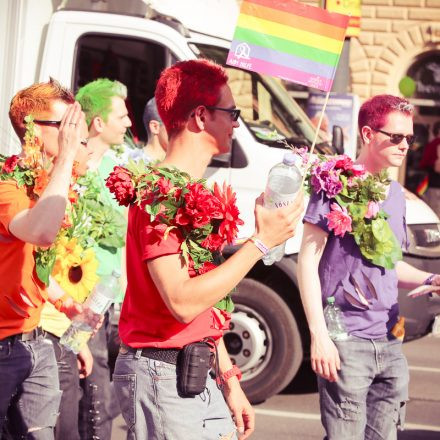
(366, 293)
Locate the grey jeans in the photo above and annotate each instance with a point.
(153, 409)
(368, 400)
(30, 394)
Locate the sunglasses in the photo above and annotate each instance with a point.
(234, 112)
(396, 138)
(49, 123)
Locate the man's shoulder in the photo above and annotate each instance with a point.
(10, 188)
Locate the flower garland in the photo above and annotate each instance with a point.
(205, 219)
(356, 207)
(30, 169)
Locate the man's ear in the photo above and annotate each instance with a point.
(97, 124)
(154, 126)
(199, 116)
(366, 134)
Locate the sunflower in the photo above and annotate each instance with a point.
(76, 274)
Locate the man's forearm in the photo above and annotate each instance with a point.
(410, 277)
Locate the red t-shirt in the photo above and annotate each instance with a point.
(145, 319)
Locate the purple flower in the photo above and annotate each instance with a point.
(326, 178)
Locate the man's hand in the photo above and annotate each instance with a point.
(71, 308)
(275, 226)
(71, 127)
(325, 357)
(85, 362)
(241, 409)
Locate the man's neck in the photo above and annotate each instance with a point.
(98, 148)
(154, 150)
(189, 153)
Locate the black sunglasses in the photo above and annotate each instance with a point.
(397, 138)
(50, 123)
(234, 112)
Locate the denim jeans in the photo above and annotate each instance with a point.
(30, 394)
(98, 406)
(67, 423)
(368, 400)
(153, 409)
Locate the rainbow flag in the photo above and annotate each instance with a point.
(289, 40)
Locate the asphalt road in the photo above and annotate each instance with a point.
(294, 414)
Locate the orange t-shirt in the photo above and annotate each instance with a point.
(22, 294)
(145, 319)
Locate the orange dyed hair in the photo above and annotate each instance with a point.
(34, 101)
(184, 86)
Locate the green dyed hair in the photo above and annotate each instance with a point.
(96, 97)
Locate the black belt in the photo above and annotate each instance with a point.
(169, 355)
(33, 335)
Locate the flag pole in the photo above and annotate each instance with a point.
(312, 148)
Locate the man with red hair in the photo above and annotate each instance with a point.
(30, 393)
(362, 372)
(165, 310)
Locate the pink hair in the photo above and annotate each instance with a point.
(375, 111)
(184, 86)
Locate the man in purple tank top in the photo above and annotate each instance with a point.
(362, 380)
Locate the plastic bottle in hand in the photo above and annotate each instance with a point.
(283, 183)
(102, 296)
(333, 318)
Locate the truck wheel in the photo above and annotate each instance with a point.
(263, 340)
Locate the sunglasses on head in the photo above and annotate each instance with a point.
(234, 112)
(396, 138)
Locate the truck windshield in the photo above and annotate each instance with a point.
(271, 115)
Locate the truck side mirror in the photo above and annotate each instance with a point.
(338, 139)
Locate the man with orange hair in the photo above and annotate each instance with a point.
(163, 316)
(50, 125)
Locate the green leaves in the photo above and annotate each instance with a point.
(44, 262)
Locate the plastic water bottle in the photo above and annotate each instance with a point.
(283, 183)
(102, 296)
(333, 318)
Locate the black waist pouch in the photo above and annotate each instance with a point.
(192, 368)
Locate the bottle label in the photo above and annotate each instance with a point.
(273, 200)
(99, 303)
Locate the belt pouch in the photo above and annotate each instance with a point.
(192, 368)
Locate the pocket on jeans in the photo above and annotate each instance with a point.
(125, 386)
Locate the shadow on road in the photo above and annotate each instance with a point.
(304, 381)
(418, 435)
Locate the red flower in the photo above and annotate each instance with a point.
(10, 164)
(229, 226)
(338, 220)
(200, 206)
(345, 163)
(119, 183)
(182, 218)
(213, 242)
(164, 185)
(206, 267)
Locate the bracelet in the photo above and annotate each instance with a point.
(234, 371)
(428, 281)
(260, 245)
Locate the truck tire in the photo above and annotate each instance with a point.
(263, 340)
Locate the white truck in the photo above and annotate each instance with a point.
(132, 42)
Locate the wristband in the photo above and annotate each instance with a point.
(234, 371)
(260, 245)
(428, 281)
(59, 303)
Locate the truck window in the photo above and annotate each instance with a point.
(135, 62)
(271, 120)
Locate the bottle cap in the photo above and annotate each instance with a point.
(331, 300)
(289, 158)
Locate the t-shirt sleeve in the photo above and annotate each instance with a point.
(318, 207)
(12, 201)
(152, 240)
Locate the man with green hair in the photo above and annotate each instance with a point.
(103, 102)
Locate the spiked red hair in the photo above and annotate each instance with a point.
(184, 86)
(35, 100)
(375, 111)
